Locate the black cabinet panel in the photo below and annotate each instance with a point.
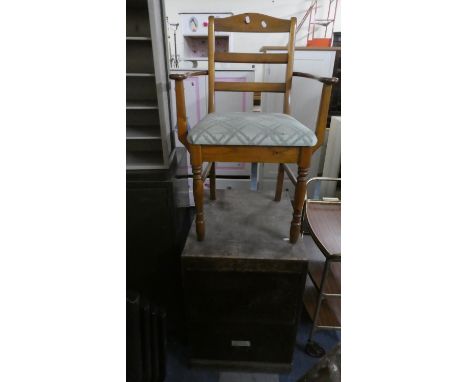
(242, 318)
(243, 296)
(243, 342)
(156, 232)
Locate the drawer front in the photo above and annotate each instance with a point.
(243, 342)
(249, 297)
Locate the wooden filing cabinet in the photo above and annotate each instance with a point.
(243, 284)
(243, 313)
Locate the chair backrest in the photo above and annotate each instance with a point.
(253, 23)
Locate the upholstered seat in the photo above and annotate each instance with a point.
(251, 129)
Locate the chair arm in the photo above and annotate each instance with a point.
(184, 76)
(324, 80)
(180, 103)
(321, 123)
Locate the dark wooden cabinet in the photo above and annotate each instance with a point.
(243, 284)
(157, 219)
(243, 316)
(157, 226)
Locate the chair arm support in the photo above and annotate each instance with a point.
(184, 76)
(324, 80)
(180, 103)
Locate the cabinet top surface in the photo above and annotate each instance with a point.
(243, 224)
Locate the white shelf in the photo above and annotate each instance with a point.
(144, 160)
(143, 132)
(140, 74)
(141, 105)
(138, 38)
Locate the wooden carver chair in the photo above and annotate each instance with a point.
(250, 137)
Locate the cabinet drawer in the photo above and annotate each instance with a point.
(242, 342)
(249, 297)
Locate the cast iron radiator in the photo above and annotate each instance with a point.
(146, 340)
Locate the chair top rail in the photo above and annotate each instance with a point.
(253, 23)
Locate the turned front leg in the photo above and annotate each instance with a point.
(198, 198)
(298, 204)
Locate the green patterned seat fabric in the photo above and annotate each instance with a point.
(251, 129)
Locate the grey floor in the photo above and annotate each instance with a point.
(247, 377)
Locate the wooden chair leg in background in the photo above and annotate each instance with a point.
(279, 182)
(213, 181)
(300, 193)
(197, 164)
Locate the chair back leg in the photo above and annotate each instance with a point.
(279, 183)
(213, 181)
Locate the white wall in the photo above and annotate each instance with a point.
(251, 42)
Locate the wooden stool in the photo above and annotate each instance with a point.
(322, 296)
